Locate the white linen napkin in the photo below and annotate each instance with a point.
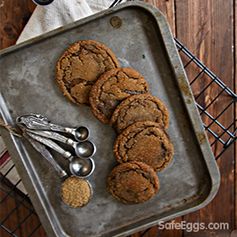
(45, 19)
(59, 13)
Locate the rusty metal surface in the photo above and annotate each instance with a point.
(140, 37)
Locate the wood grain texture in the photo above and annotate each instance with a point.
(13, 17)
(208, 29)
(16, 215)
(10, 223)
(235, 89)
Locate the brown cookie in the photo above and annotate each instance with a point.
(80, 66)
(139, 108)
(133, 182)
(113, 87)
(76, 192)
(145, 142)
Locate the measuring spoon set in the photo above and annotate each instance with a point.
(41, 133)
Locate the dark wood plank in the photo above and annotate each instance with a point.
(235, 81)
(206, 27)
(28, 221)
(16, 209)
(7, 204)
(13, 17)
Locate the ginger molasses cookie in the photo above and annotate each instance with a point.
(133, 182)
(138, 108)
(80, 66)
(113, 87)
(76, 192)
(146, 142)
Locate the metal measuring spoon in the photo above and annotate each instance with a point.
(46, 154)
(70, 184)
(40, 122)
(79, 167)
(42, 2)
(84, 149)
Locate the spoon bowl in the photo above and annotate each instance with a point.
(42, 2)
(81, 133)
(85, 149)
(81, 168)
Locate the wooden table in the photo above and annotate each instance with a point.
(208, 29)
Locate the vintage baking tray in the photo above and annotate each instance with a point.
(140, 37)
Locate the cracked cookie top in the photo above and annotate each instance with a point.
(133, 182)
(113, 87)
(139, 108)
(146, 142)
(80, 66)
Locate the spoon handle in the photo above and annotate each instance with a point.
(38, 122)
(46, 154)
(60, 128)
(51, 144)
(54, 136)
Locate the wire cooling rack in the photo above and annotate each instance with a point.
(209, 91)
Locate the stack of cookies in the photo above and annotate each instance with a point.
(89, 73)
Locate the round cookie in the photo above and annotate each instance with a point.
(133, 182)
(139, 108)
(80, 66)
(145, 142)
(76, 192)
(113, 87)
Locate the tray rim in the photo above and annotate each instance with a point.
(186, 94)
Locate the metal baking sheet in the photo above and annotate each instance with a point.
(141, 38)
